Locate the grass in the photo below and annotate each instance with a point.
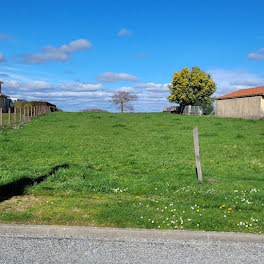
(135, 170)
(5, 120)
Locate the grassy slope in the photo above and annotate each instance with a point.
(136, 170)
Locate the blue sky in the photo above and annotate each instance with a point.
(76, 54)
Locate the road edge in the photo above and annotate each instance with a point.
(127, 233)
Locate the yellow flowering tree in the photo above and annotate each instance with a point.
(191, 87)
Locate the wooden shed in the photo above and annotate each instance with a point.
(244, 103)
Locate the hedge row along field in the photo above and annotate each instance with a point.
(133, 170)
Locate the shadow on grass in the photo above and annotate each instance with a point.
(17, 187)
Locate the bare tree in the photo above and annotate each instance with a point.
(122, 100)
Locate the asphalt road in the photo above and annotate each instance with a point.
(22, 248)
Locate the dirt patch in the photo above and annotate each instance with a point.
(21, 203)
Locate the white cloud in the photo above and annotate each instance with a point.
(82, 86)
(15, 86)
(258, 55)
(55, 54)
(154, 87)
(126, 89)
(124, 32)
(228, 81)
(116, 77)
(2, 58)
(3, 74)
(78, 96)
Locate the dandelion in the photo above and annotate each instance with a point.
(229, 209)
(197, 210)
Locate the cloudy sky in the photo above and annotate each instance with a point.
(76, 54)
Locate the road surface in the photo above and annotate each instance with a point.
(123, 246)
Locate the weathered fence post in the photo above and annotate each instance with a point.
(24, 114)
(197, 154)
(20, 114)
(28, 117)
(9, 116)
(31, 109)
(15, 115)
(1, 117)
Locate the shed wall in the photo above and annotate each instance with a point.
(262, 108)
(246, 107)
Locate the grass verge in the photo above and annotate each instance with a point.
(135, 170)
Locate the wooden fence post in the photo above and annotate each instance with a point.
(197, 154)
(9, 116)
(15, 115)
(1, 117)
(28, 117)
(24, 114)
(20, 114)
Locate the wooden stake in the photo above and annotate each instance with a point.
(15, 115)
(197, 154)
(28, 117)
(9, 116)
(24, 114)
(1, 117)
(20, 115)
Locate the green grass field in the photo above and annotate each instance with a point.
(134, 170)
